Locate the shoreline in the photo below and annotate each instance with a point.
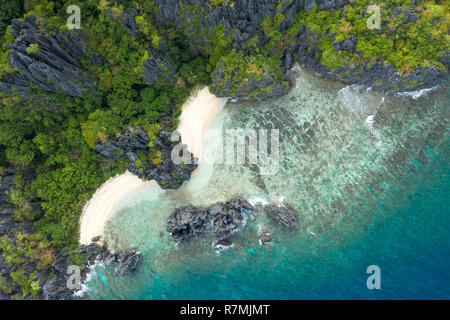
(99, 208)
(199, 111)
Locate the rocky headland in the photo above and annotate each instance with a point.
(149, 164)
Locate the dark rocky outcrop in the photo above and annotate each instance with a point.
(282, 215)
(222, 219)
(187, 223)
(347, 44)
(229, 217)
(124, 262)
(53, 281)
(129, 21)
(158, 70)
(166, 172)
(223, 244)
(7, 222)
(49, 60)
(241, 22)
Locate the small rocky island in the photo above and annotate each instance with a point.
(282, 215)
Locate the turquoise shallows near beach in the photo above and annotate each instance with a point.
(368, 175)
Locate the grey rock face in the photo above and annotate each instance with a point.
(54, 66)
(242, 20)
(229, 217)
(158, 70)
(405, 15)
(129, 21)
(186, 223)
(222, 219)
(223, 244)
(124, 262)
(7, 223)
(347, 44)
(283, 216)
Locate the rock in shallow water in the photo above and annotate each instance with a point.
(223, 219)
(186, 223)
(265, 238)
(223, 245)
(284, 216)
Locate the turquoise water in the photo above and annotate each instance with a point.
(368, 179)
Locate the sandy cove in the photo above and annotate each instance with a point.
(197, 115)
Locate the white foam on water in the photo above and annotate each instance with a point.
(257, 200)
(376, 134)
(418, 93)
(350, 97)
(84, 286)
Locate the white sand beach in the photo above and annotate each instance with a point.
(99, 208)
(197, 115)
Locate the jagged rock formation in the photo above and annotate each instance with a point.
(157, 166)
(222, 219)
(158, 70)
(282, 215)
(229, 217)
(186, 223)
(6, 183)
(48, 60)
(223, 244)
(128, 21)
(241, 22)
